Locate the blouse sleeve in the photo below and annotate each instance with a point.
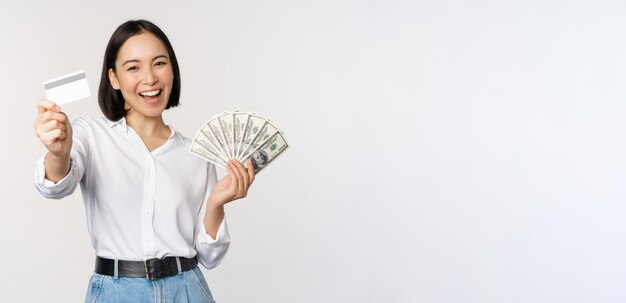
(211, 251)
(78, 161)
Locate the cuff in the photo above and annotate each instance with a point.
(41, 174)
(222, 235)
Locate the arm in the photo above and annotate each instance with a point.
(230, 188)
(59, 171)
(213, 218)
(213, 239)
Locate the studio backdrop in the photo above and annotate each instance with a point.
(440, 151)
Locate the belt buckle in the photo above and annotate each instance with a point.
(153, 269)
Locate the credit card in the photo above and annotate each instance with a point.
(68, 88)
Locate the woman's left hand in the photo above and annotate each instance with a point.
(234, 186)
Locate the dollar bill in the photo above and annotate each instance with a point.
(203, 153)
(226, 124)
(252, 127)
(213, 127)
(273, 147)
(266, 131)
(241, 136)
(209, 142)
(239, 125)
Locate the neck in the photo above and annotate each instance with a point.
(147, 126)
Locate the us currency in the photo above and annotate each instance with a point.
(208, 147)
(214, 145)
(252, 127)
(215, 129)
(225, 123)
(266, 131)
(209, 142)
(241, 136)
(203, 153)
(239, 125)
(273, 147)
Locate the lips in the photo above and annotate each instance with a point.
(151, 96)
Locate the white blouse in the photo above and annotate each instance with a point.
(139, 204)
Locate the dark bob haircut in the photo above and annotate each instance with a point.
(110, 100)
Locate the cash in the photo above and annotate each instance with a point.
(240, 136)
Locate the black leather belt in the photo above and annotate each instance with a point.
(151, 269)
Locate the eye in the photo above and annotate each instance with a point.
(132, 68)
(160, 63)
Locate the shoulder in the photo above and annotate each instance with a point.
(186, 141)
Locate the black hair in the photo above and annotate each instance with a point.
(111, 100)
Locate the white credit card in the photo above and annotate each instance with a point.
(67, 88)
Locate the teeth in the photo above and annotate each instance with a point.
(151, 93)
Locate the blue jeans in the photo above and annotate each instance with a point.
(189, 286)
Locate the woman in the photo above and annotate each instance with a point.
(153, 210)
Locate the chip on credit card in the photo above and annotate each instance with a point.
(68, 88)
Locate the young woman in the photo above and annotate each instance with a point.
(153, 210)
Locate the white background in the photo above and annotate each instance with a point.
(441, 151)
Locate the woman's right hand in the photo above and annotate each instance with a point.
(53, 129)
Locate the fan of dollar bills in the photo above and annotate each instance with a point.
(239, 136)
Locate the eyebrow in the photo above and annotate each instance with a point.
(137, 60)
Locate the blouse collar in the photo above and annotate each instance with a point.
(122, 123)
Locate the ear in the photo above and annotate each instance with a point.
(113, 79)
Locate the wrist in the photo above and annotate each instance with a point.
(58, 157)
(56, 168)
(214, 206)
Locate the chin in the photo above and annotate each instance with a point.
(154, 114)
(148, 112)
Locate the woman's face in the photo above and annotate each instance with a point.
(143, 74)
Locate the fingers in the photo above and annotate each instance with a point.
(50, 120)
(47, 111)
(243, 176)
(52, 127)
(233, 178)
(44, 105)
(49, 115)
(53, 124)
(50, 137)
(246, 176)
(52, 115)
(251, 173)
(238, 176)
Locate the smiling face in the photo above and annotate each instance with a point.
(143, 74)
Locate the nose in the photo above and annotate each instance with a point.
(149, 76)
